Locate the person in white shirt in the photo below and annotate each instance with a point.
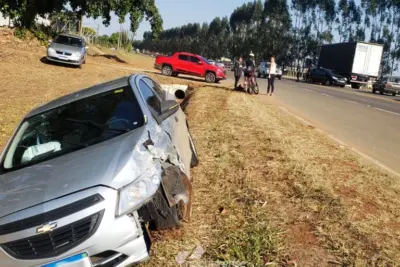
(271, 77)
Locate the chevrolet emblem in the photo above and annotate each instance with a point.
(46, 228)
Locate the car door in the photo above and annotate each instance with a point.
(196, 66)
(182, 63)
(175, 125)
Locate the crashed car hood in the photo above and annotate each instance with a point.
(66, 48)
(100, 164)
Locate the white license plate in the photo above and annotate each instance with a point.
(62, 57)
(80, 260)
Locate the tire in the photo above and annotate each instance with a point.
(175, 74)
(381, 92)
(373, 91)
(343, 86)
(256, 89)
(166, 70)
(328, 82)
(355, 86)
(194, 161)
(210, 77)
(280, 77)
(166, 217)
(393, 94)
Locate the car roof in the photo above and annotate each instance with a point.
(81, 94)
(71, 35)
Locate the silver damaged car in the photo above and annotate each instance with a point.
(85, 177)
(67, 49)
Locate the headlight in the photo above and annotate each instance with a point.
(76, 54)
(335, 78)
(136, 193)
(51, 49)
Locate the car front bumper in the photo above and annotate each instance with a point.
(71, 60)
(119, 239)
(339, 82)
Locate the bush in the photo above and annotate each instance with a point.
(129, 48)
(21, 33)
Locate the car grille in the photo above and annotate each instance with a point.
(49, 216)
(59, 52)
(56, 242)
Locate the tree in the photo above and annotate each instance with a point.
(25, 11)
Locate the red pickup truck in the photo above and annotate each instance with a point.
(190, 64)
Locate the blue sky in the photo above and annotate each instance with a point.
(175, 13)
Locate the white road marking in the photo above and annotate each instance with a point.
(384, 110)
(326, 95)
(378, 163)
(297, 117)
(343, 145)
(354, 102)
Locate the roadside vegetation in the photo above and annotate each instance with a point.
(268, 190)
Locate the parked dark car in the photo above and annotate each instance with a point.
(326, 77)
(387, 85)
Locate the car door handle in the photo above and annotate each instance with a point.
(176, 119)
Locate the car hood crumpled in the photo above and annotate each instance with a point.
(113, 163)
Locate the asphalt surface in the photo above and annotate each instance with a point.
(367, 123)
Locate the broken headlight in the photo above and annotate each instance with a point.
(135, 194)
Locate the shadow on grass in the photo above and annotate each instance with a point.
(112, 57)
(44, 60)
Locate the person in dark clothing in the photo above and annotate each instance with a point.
(298, 74)
(237, 71)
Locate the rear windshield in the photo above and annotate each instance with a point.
(74, 126)
(67, 40)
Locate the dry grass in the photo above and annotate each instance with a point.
(286, 192)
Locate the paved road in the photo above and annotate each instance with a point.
(368, 123)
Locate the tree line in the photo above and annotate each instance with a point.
(292, 30)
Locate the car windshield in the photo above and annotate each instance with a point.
(74, 126)
(206, 61)
(68, 40)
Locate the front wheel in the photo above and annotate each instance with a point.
(328, 83)
(256, 89)
(166, 70)
(210, 77)
(166, 217)
(393, 94)
(280, 77)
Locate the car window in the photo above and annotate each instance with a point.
(74, 126)
(183, 57)
(195, 60)
(68, 40)
(156, 87)
(150, 97)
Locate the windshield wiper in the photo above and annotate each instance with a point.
(117, 130)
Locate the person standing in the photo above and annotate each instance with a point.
(298, 73)
(271, 77)
(237, 71)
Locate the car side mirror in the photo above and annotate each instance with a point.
(168, 108)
